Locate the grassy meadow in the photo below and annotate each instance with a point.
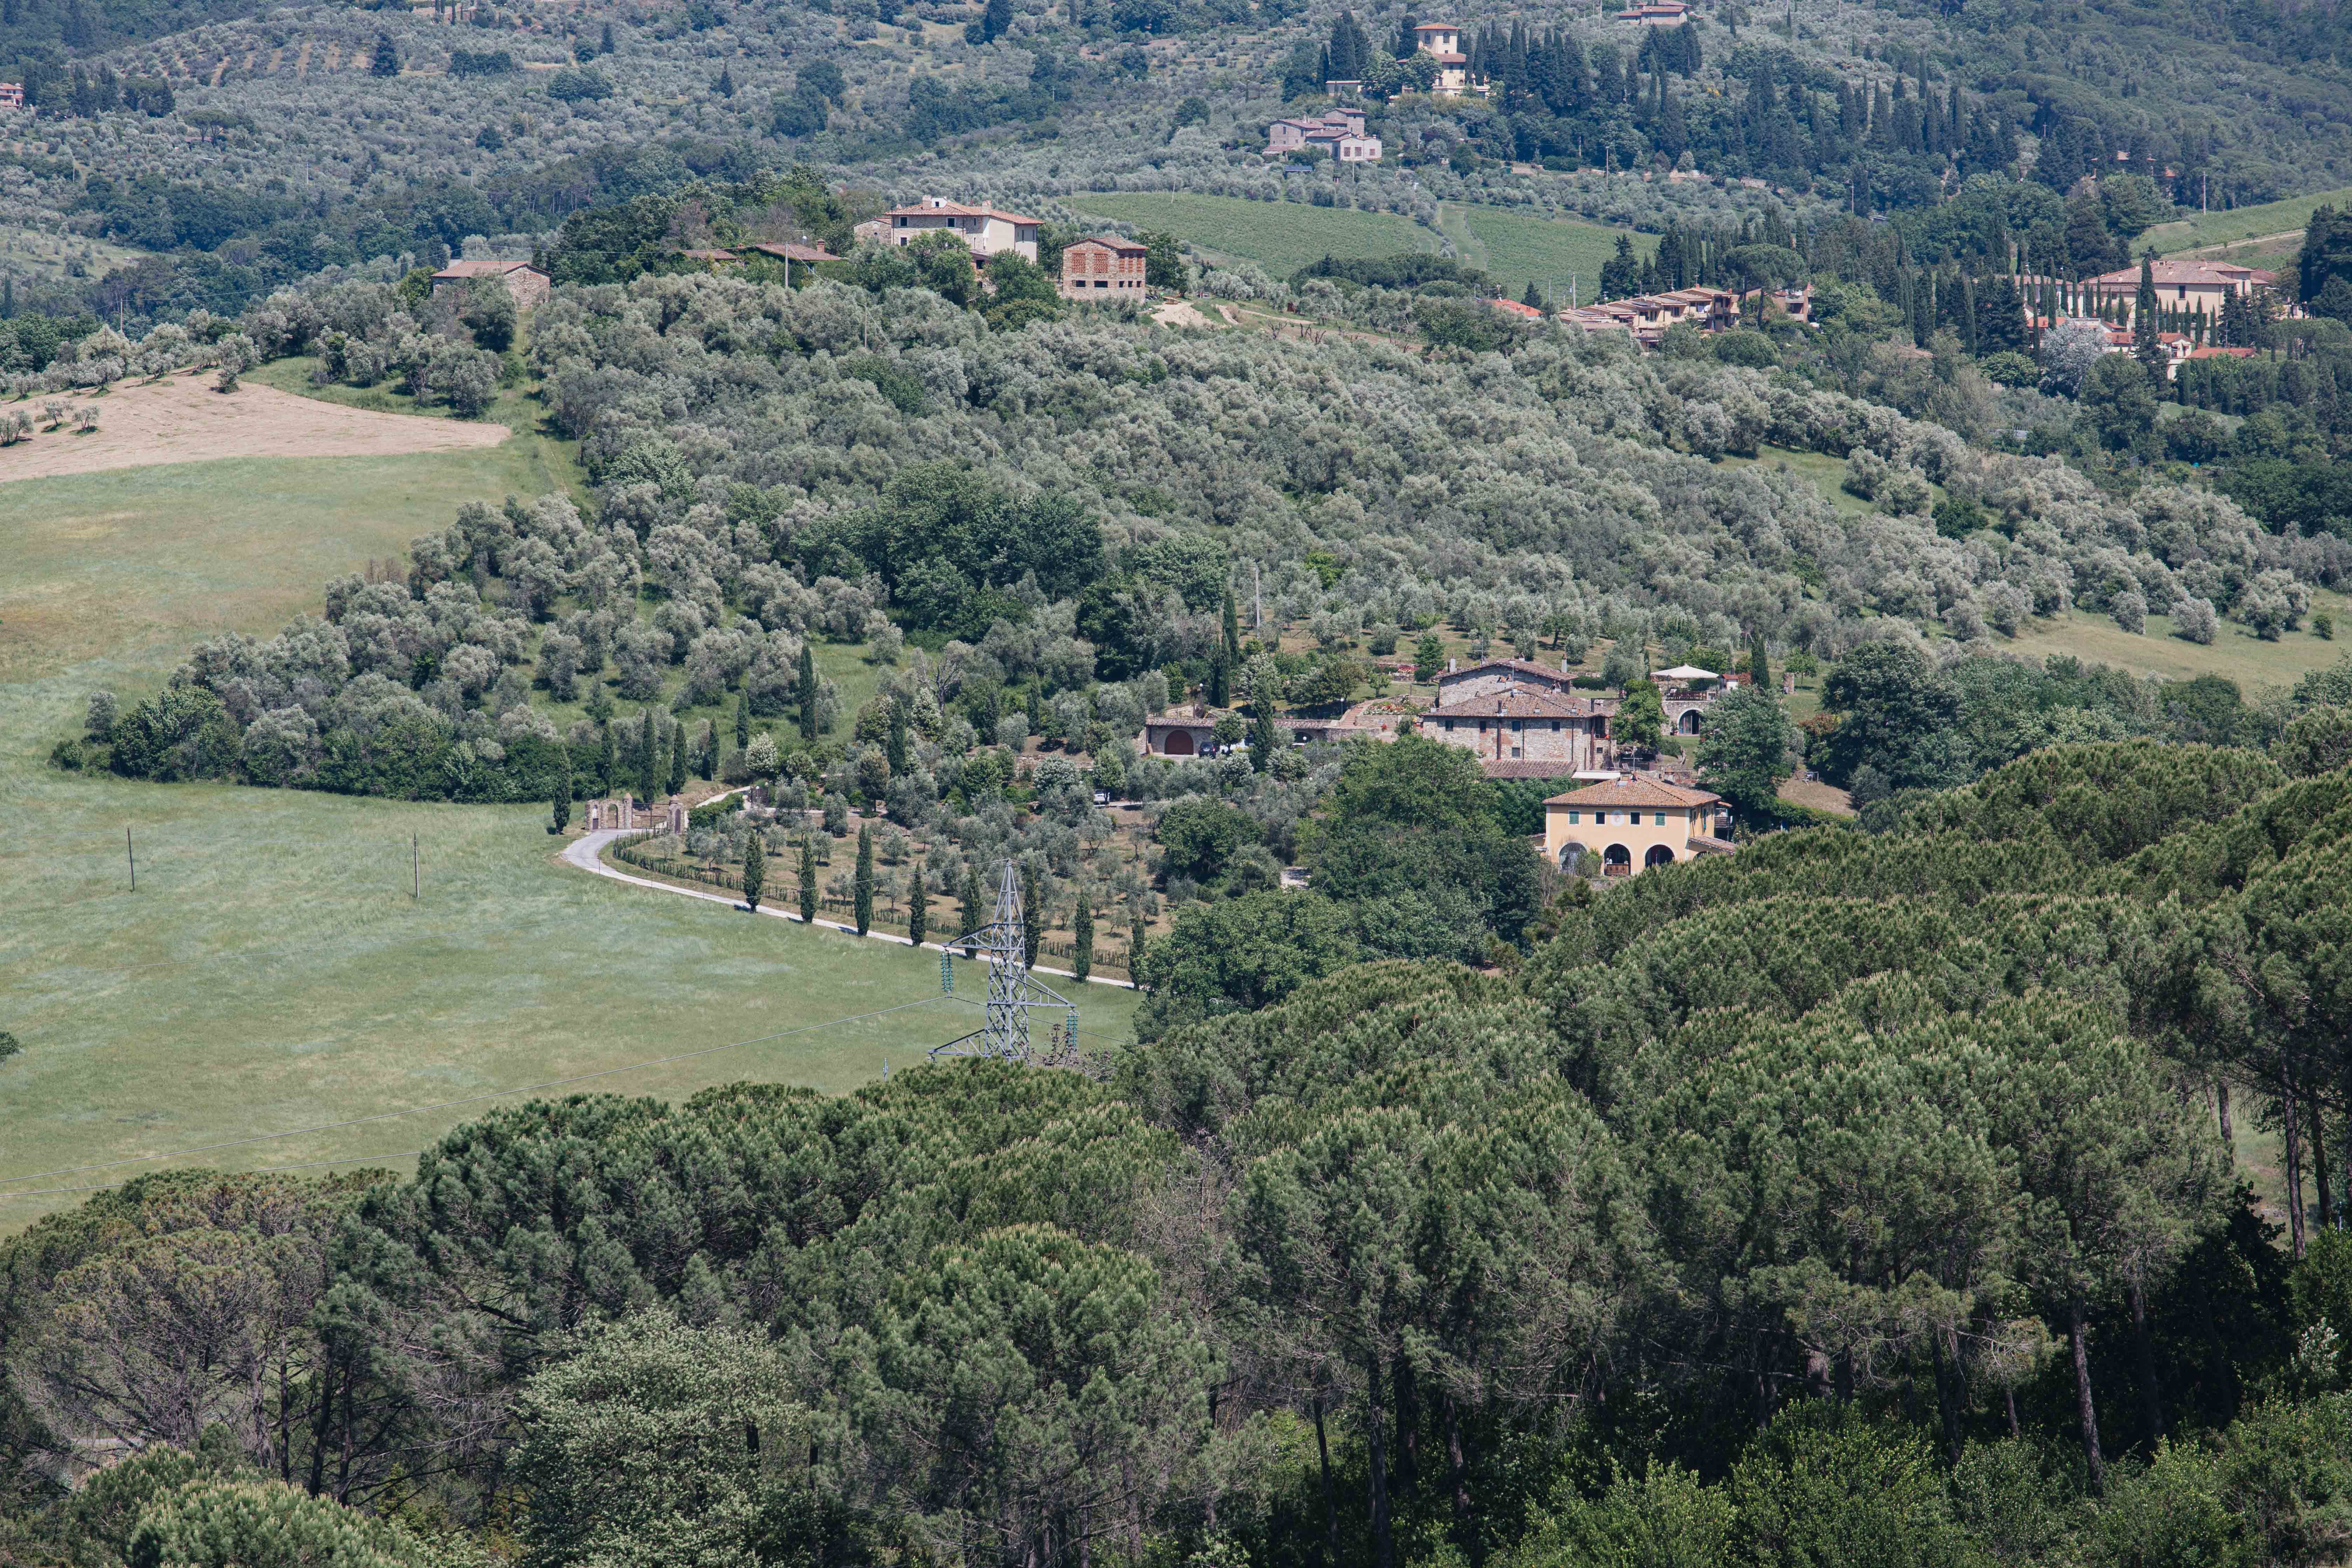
(2239, 223)
(1283, 236)
(273, 971)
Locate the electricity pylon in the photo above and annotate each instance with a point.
(1012, 994)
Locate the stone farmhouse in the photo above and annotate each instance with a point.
(1647, 316)
(1632, 823)
(1522, 719)
(1338, 132)
(987, 231)
(2196, 287)
(526, 283)
(1442, 41)
(1186, 730)
(1103, 268)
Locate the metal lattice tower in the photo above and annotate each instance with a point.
(1012, 994)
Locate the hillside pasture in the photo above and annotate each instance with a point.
(183, 419)
(284, 962)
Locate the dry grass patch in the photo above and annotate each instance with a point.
(181, 419)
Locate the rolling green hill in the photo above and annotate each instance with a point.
(2270, 219)
(1283, 236)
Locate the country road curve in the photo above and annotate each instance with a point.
(586, 853)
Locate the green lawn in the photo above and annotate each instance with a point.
(2240, 223)
(1519, 248)
(1283, 236)
(272, 971)
(2235, 652)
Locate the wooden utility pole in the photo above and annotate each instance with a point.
(131, 856)
(415, 870)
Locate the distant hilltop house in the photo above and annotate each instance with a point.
(1521, 719)
(526, 283)
(1647, 316)
(1656, 13)
(1442, 41)
(1514, 308)
(1103, 267)
(1630, 824)
(987, 231)
(12, 95)
(2182, 287)
(1340, 131)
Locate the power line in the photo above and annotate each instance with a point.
(446, 1104)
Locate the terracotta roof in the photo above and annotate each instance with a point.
(1517, 666)
(1512, 306)
(1517, 702)
(792, 250)
(1109, 242)
(1437, 27)
(1494, 769)
(710, 255)
(2214, 352)
(482, 268)
(952, 209)
(2173, 274)
(1635, 793)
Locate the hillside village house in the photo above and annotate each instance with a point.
(1686, 692)
(1632, 823)
(1647, 316)
(1442, 41)
(526, 283)
(2193, 287)
(1527, 724)
(1340, 131)
(987, 231)
(1186, 730)
(12, 95)
(1103, 268)
(1656, 13)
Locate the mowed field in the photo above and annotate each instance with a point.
(1283, 236)
(275, 980)
(2242, 224)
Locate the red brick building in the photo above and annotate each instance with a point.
(1102, 267)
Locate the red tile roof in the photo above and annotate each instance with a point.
(1109, 242)
(482, 268)
(1635, 793)
(793, 251)
(1517, 702)
(952, 209)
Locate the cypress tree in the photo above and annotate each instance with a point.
(677, 759)
(1135, 949)
(755, 870)
(1264, 737)
(919, 907)
(1759, 669)
(808, 695)
(605, 44)
(560, 817)
(894, 749)
(742, 720)
(608, 760)
(974, 915)
(649, 770)
(1082, 927)
(863, 897)
(1233, 628)
(1033, 916)
(808, 879)
(2145, 326)
(709, 760)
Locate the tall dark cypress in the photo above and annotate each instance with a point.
(808, 877)
(1082, 935)
(1033, 914)
(807, 695)
(862, 893)
(918, 907)
(976, 913)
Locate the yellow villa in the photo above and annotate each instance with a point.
(1629, 825)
